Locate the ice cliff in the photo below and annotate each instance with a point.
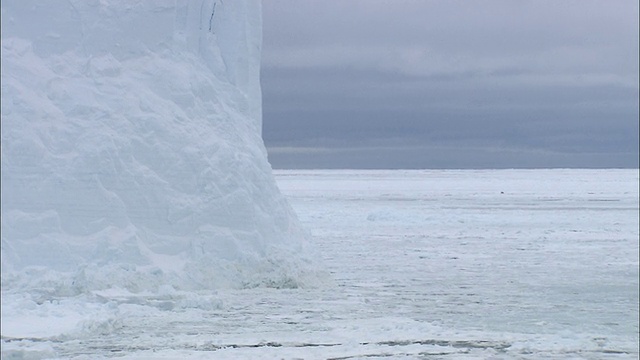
(131, 149)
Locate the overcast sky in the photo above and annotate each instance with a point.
(450, 84)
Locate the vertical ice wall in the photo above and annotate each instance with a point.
(131, 148)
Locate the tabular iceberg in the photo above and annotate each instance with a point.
(132, 152)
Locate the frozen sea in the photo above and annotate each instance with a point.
(486, 264)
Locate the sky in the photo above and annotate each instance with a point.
(428, 84)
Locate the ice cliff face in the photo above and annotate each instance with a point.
(131, 148)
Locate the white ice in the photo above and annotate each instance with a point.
(498, 264)
(131, 149)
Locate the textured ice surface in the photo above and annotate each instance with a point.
(506, 264)
(131, 149)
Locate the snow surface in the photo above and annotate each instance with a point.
(507, 264)
(131, 150)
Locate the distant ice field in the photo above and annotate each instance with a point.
(487, 264)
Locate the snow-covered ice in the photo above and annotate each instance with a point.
(132, 152)
(497, 264)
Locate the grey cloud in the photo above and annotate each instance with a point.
(455, 31)
(545, 82)
(442, 158)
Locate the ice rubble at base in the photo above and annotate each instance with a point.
(132, 152)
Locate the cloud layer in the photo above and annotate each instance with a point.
(375, 83)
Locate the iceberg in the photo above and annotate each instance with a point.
(131, 151)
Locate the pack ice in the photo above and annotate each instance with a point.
(131, 149)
